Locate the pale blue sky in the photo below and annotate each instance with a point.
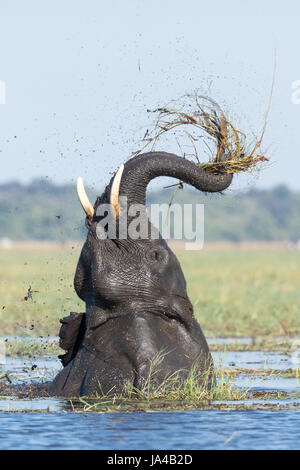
(76, 100)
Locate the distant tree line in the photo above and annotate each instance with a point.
(42, 210)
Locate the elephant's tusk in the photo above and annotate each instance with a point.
(84, 200)
(114, 193)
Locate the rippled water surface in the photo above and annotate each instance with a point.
(162, 430)
(51, 424)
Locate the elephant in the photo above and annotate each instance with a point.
(137, 307)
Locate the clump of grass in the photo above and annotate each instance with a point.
(196, 390)
(201, 117)
(198, 385)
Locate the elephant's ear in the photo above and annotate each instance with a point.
(70, 335)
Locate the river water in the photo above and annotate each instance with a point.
(269, 424)
(205, 429)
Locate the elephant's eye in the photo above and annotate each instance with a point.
(158, 255)
(155, 255)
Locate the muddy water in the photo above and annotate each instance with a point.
(270, 422)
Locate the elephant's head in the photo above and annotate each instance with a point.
(116, 272)
(134, 289)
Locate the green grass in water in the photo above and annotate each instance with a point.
(173, 393)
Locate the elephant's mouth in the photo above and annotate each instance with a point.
(169, 308)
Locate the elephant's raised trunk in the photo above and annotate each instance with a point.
(140, 170)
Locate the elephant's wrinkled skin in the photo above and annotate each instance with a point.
(135, 295)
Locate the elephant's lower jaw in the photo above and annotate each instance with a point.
(119, 354)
